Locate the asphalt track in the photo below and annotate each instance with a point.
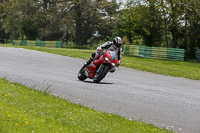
(164, 101)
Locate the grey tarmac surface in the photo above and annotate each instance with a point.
(164, 101)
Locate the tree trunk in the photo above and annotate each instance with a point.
(85, 22)
(166, 33)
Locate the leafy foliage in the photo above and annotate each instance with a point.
(55, 19)
(29, 29)
(166, 23)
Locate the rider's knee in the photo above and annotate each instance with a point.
(112, 70)
(95, 56)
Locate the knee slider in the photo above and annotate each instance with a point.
(112, 70)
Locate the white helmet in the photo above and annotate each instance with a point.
(117, 41)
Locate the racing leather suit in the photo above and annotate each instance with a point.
(103, 49)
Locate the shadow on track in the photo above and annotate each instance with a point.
(95, 83)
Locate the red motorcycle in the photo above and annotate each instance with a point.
(98, 69)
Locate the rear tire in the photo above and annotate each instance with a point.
(103, 70)
(81, 74)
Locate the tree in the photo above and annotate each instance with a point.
(52, 18)
(90, 16)
(154, 24)
(141, 21)
(192, 26)
(175, 25)
(107, 20)
(3, 34)
(129, 22)
(55, 19)
(15, 12)
(29, 29)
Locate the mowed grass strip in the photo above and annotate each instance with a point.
(24, 110)
(164, 67)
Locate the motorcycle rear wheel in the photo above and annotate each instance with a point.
(101, 73)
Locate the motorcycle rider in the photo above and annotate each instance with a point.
(114, 46)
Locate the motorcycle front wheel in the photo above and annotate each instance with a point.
(101, 73)
(81, 74)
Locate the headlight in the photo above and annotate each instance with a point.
(106, 59)
(113, 64)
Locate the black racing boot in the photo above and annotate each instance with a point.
(88, 62)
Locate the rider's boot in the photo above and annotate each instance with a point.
(93, 57)
(88, 62)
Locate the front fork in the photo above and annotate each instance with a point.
(100, 69)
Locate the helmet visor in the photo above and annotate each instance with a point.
(117, 45)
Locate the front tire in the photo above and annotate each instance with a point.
(81, 74)
(101, 73)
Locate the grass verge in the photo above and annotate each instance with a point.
(164, 67)
(23, 109)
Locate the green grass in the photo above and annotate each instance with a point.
(24, 110)
(164, 67)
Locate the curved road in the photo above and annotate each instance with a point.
(164, 101)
